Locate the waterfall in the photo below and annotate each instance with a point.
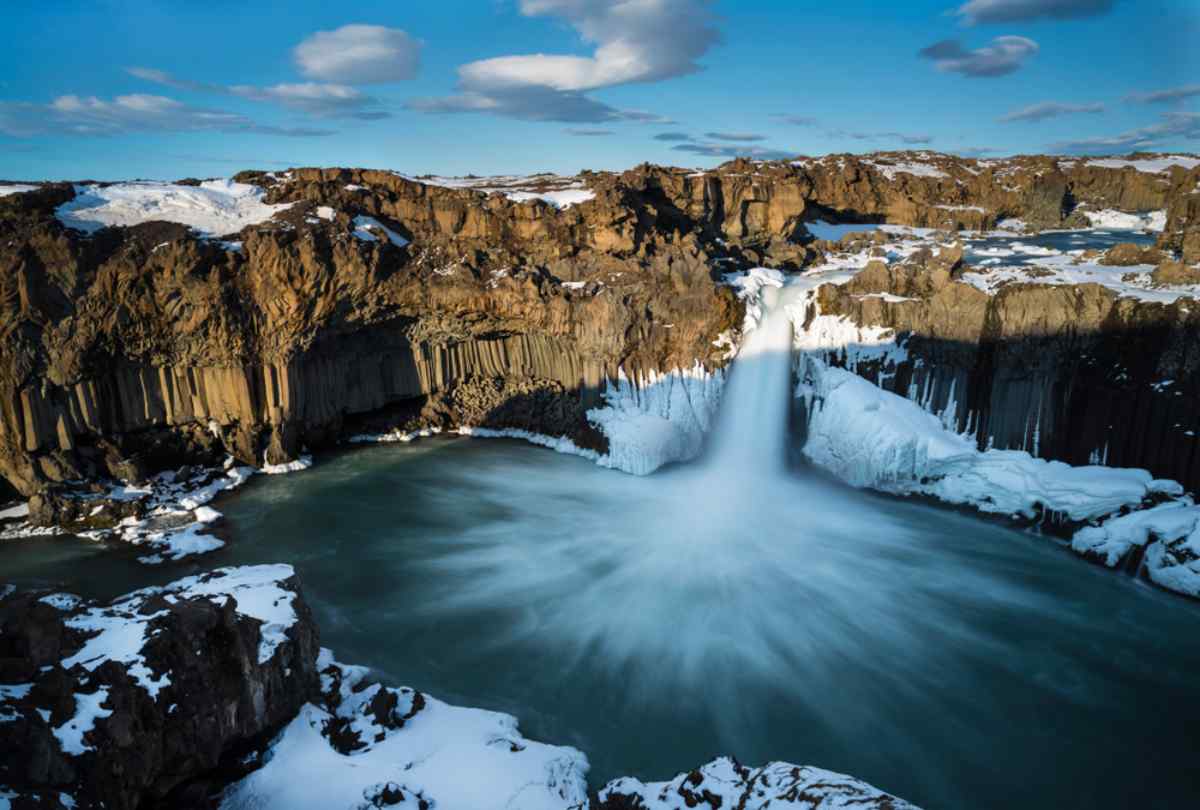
(750, 437)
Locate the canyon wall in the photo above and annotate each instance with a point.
(129, 348)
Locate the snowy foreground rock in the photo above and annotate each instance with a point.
(212, 690)
(130, 703)
(725, 783)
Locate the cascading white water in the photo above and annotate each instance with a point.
(751, 431)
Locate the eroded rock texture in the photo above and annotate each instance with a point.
(135, 348)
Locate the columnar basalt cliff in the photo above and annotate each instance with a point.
(1069, 372)
(512, 304)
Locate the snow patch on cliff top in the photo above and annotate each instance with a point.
(214, 208)
(1148, 165)
(15, 188)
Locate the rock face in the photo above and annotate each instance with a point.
(131, 349)
(1067, 372)
(141, 701)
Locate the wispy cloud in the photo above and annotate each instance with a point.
(89, 115)
(672, 136)
(835, 133)
(588, 133)
(796, 120)
(629, 47)
(727, 150)
(1171, 95)
(1003, 56)
(319, 99)
(1049, 109)
(978, 12)
(737, 137)
(1173, 127)
(359, 54)
(920, 139)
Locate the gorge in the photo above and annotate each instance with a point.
(1015, 339)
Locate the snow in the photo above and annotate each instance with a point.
(65, 602)
(442, 756)
(1133, 281)
(974, 208)
(325, 212)
(1170, 532)
(1148, 165)
(396, 435)
(175, 545)
(87, 711)
(559, 199)
(1111, 220)
(259, 596)
(302, 463)
(890, 170)
(18, 511)
(725, 783)
(175, 515)
(869, 437)
(119, 634)
(658, 419)
(365, 229)
(214, 208)
(15, 188)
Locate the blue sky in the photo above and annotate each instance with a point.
(109, 89)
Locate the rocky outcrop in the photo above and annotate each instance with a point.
(150, 698)
(140, 343)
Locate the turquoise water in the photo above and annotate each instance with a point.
(658, 622)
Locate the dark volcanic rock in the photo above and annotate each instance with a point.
(130, 704)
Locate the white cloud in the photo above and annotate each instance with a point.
(1168, 96)
(1003, 56)
(635, 41)
(1049, 109)
(139, 112)
(359, 54)
(1172, 128)
(1006, 11)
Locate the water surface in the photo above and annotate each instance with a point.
(657, 622)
